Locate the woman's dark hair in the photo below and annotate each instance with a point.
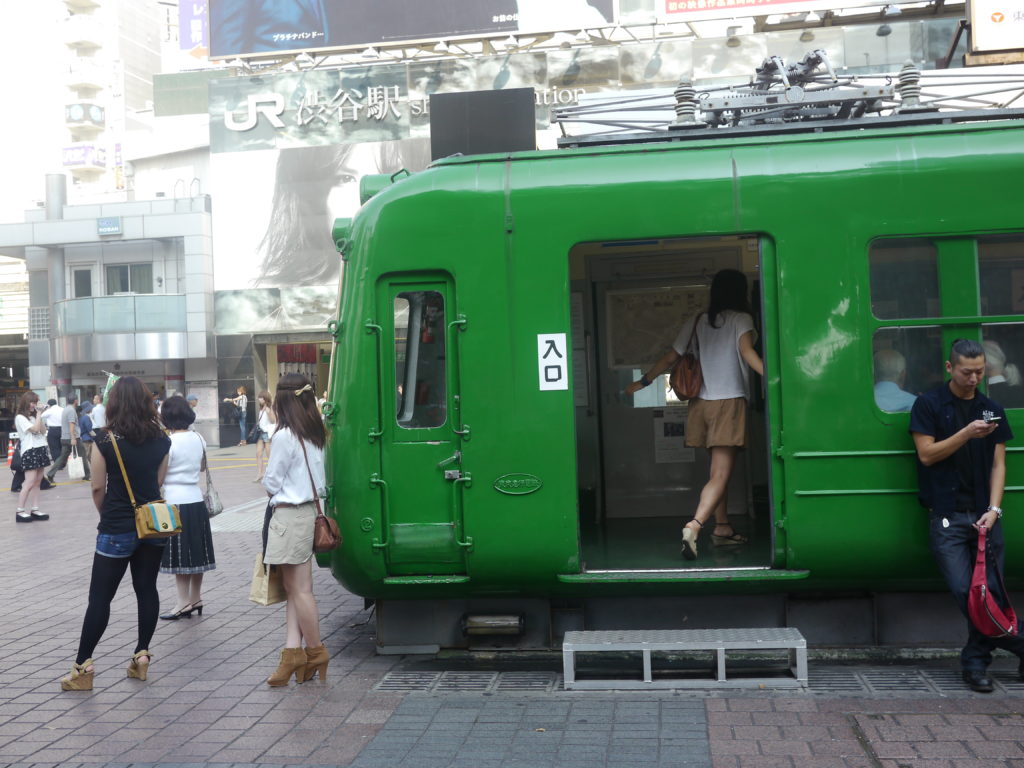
(176, 413)
(965, 348)
(297, 247)
(295, 406)
(728, 291)
(26, 400)
(131, 413)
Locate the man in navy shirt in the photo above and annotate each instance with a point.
(960, 436)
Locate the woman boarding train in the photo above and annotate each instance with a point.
(717, 420)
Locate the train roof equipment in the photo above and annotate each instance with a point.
(802, 97)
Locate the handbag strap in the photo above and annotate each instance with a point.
(979, 561)
(312, 482)
(693, 335)
(124, 474)
(206, 461)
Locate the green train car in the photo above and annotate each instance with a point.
(485, 467)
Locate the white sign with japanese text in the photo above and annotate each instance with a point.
(552, 361)
(996, 25)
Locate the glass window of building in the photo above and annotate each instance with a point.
(83, 283)
(129, 278)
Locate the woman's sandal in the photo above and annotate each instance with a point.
(80, 678)
(139, 669)
(37, 515)
(689, 548)
(733, 540)
(21, 516)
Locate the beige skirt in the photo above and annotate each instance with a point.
(290, 538)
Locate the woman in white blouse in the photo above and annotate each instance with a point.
(293, 479)
(189, 554)
(34, 456)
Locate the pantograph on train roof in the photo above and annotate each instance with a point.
(808, 95)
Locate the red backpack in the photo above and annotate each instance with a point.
(982, 608)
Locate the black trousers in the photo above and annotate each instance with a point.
(954, 543)
(53, 441)
(107, 573)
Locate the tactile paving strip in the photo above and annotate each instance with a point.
(822, 681)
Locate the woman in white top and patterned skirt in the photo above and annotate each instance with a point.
(293, 479)
(34, 456)
(189, 554)
(717, 419)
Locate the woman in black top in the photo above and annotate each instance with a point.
(133, 420)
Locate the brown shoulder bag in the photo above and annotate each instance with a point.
(687, 378)
(326, 536)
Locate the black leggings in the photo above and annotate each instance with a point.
(107, 573)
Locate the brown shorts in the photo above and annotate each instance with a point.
(712, 423)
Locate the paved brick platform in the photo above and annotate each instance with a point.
(206, 703)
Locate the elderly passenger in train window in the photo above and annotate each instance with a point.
(890, 376)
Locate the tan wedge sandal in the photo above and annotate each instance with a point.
(139, 669)
(80, 678)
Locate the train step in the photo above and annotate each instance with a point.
(717, 640)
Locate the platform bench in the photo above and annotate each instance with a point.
(718, 640)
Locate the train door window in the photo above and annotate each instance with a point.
(1001, 274)
(904, 278)
(907, 362)
(420, 391)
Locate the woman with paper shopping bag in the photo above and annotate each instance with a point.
(294, 480)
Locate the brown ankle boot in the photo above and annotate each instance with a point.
(317, 658)
(293, 660)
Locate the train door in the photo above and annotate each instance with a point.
(421, 476)
(639, 481)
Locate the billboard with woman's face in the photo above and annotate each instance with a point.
(276, 267)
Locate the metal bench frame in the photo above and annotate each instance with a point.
(718, 640)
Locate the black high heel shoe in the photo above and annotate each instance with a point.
(197, 607)
(186, 612)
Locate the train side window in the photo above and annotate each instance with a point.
(420, 382)
(1001, 274)
(1004, 363)
(904, 278)
(907, 362)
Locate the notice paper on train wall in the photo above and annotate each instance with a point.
(669, 437)
(643, 323)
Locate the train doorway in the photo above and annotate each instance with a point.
(638, 481)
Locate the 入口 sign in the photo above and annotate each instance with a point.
(552, 361)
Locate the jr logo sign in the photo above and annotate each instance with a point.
(270, 105)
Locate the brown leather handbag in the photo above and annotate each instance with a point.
(686, 377)
(326, 536)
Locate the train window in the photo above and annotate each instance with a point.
(1001, 274)
(907, 362)
(904, 279)
(1004, 360)
(420, 382)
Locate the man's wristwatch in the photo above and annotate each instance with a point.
(997, 510)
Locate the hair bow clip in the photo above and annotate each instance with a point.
(307, 388)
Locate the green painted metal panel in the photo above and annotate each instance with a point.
(501, 229)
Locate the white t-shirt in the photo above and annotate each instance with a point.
(286, 478)
(29, 440)
(51, 416)
(725, 371)
(99, 416)
(266, 425)
(181, 485)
